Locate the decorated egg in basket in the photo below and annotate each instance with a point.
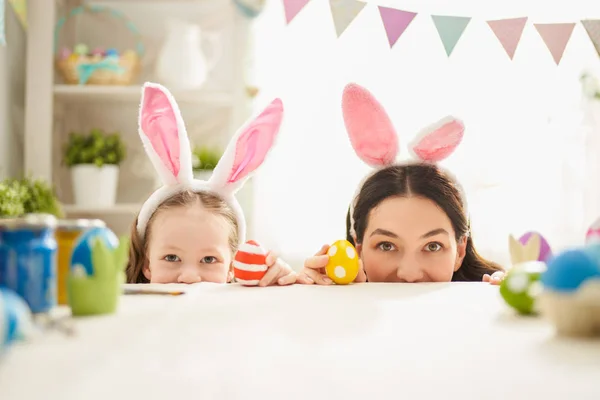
(521, 286)
(343, 264)
(571, 296)
(15, 318)
(250, 263)
(81, 259)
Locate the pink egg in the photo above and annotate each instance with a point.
(593, 233)
(545, 251)
(98, 51)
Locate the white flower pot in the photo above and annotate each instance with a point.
(203, 175)
(95, 186)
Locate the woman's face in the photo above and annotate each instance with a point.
(410, 239)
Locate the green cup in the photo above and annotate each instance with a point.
(93, 296)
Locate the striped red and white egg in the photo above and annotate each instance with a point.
(249, 263)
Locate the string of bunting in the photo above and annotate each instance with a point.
(450, 28)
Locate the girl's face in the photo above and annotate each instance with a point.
(410, 239)
(189, 245)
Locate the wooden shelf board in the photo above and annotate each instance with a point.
(123, 208)
(63, 92)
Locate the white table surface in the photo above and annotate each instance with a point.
(369, 341)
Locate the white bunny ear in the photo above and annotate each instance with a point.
(369, 127)
(437, 141)
(163, 134)
(247, 150)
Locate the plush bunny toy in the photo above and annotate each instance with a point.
(165, 139)
(375, 141)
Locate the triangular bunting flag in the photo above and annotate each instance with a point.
(344, 12)
(592, 26)
(556, 37)
(508, 32)
(292, 8)
(450, 29)
(395, 22)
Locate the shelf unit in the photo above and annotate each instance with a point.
(78, 93)
(49, 102)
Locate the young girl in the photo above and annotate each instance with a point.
(408, 221)
(188, 230)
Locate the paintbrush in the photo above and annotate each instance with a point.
(152, 291)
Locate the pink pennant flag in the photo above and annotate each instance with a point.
(508, 31)
(292, 8)
(556, 37)
(395, 22)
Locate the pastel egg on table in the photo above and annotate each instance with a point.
(571, 298)
(343, 264)
(545, 250)
(250, 263)
(81, 259)
(522, 286)
(15, 318)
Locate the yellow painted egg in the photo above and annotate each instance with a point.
(343, 262)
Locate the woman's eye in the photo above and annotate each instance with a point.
(171, 258)
(433, 247)
(386, 246)
(209, 260)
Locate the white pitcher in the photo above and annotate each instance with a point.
(181, 63)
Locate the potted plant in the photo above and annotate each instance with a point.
(28, 195)
(204, 160)
(94, 162)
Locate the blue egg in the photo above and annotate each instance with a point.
(15, 317)
(81, 259)
(568, 270)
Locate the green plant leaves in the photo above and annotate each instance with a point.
(28, 195)
(97, 147)
(205, 158)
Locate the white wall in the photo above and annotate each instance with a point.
(12, 97)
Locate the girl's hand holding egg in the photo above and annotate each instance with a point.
(254, 266)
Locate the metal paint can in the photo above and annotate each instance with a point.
(67, 232)
(28, 259)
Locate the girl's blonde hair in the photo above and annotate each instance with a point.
(138, 249)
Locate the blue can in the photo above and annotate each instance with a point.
(28, 259)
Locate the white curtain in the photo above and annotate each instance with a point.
(523, 161)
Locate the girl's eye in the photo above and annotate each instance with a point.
(171, 258)
(385, 246)
(209, 260)
(433, 247)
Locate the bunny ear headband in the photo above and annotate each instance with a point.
(375, 141)
(165, 139)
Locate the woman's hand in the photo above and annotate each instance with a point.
(314, 269)
(495, 279)
(278, 272)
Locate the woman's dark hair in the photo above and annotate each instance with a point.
(426, 181)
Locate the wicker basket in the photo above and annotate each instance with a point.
(107, 68)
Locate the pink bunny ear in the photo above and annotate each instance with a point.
(439, 140)
(248, 149)
(163, 134)
(371, 132)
